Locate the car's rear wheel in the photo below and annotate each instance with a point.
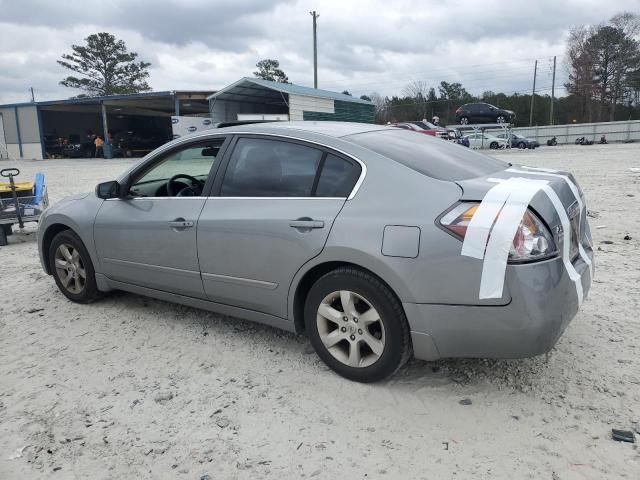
(5, 231)
(522, 145)
(501, 119)
(493, 145)
(357, 325)
(464, 120)
(72, 269)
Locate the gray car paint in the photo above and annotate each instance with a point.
(438, 288)
(135, 243)
(249, 252)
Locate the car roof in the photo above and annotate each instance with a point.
(332, 129)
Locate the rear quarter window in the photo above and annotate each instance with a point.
(428, 155)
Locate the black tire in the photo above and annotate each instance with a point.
(501, 119)
(493, 145)
(464, 120)
(5, 231)
(522, 145)
(89, 292)
(397, 340)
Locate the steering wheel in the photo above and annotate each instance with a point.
(189, 191)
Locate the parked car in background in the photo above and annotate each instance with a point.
(352, 234)
(443, 132)
(483, 113)
(484, 140)
(518, 141)
(434, 132)
(464, 141)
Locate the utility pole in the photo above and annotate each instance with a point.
(553, 91)
(533, 93)
(33, 97)
(315, 48)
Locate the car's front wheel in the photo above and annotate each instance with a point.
(5, 231)
(493, 145)
(72, 269)
(464, 120)
(357, 325)
(522, 145)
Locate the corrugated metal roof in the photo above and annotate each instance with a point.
(286, 88)
(93, 100)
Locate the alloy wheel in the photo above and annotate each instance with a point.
(70, 268)
(351, 329)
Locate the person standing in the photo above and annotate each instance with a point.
(98, 143)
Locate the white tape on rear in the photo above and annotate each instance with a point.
(540, 169)
(576, 193)
(566, 228)
(502, 234)
(475, 240)
(521, 192)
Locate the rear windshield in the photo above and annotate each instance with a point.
(428, 155)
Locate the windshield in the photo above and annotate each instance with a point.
(428, 155)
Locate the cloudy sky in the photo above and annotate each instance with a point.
(363, 46)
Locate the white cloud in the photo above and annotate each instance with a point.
(364, 46)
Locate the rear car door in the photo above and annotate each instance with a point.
(149, 238)
(273, 206)
(485, 115)
(474, 113)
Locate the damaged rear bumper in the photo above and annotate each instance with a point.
(543, 302)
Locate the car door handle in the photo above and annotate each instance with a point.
(305, 223)
(180, 223)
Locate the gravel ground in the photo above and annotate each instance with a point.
(131, 387)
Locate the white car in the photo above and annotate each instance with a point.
(484, 140)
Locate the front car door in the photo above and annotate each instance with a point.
(474, 140)
(271, 212)
(149, 238)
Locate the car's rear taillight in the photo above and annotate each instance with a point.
(532, 239)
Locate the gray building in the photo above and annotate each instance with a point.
(137, 123)
(140, 122)
(253, 98)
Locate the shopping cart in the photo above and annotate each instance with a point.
(20, 202)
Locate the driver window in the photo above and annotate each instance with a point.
(181, 173)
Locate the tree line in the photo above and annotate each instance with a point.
(603, 63)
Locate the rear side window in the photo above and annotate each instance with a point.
(428, 155)
(337, 178)
(270, 168)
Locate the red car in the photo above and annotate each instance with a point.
(434, 132)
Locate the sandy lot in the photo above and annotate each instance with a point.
(131, 387)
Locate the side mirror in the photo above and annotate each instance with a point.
(107, 190)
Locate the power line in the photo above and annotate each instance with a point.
(433, 71)
(443, 100)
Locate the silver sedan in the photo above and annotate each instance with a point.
(376, 243)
